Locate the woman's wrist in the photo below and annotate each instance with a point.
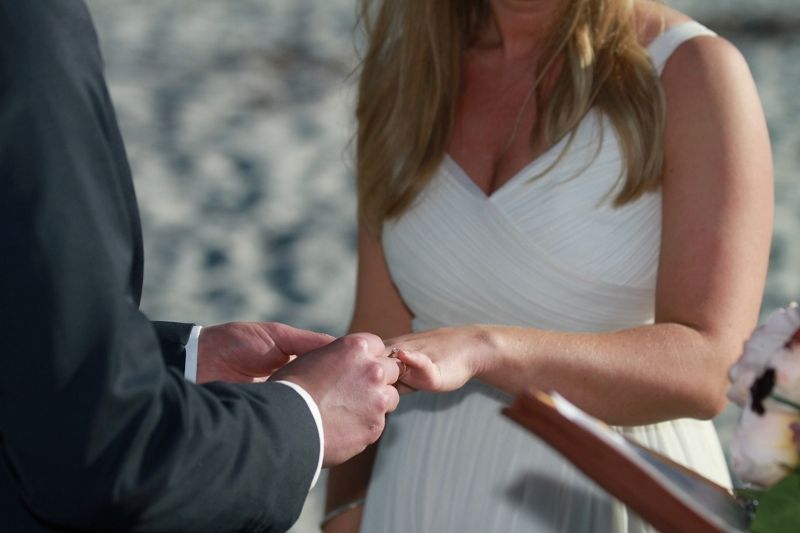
(341, 510)
(487, 353)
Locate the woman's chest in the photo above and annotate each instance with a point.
(492, 134)
(556, 210)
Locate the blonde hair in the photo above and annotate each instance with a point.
(410, 82)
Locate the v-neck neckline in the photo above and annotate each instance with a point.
(465, 179)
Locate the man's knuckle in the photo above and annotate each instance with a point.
(369, 343)
(376, 373)
(382, 402)
(356, 343)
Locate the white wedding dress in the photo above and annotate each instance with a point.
(550, 253)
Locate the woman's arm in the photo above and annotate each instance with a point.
(717, 224)
(379, 309)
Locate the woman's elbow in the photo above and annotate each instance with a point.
(712, 402)
(711, 396)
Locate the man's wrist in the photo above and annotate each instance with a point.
(192, 351)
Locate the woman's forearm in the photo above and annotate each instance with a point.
(636, 376)
(642, 375)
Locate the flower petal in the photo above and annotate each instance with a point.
(762, 449)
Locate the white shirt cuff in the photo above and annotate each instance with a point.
(192, 346)
(312, 406)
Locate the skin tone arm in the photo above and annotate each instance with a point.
(717, 225)
(380, 310)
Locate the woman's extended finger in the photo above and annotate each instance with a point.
(421, 373)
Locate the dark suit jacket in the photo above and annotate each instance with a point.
(96, 431)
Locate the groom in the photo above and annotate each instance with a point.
(100, 426)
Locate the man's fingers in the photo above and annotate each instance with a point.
(393, 399)
(403, 389)
(294, 341)
(391, 370)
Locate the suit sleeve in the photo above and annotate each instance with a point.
(172, 339)
(97, 432)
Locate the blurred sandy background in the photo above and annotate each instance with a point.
(237, 119)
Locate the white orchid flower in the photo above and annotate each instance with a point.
(763, 449)
(786, 394)
(765, 349)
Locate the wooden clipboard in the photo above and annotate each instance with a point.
(667, 495)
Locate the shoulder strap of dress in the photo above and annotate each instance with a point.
(665, 44)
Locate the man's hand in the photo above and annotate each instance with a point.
(351, 382)
(249, 352)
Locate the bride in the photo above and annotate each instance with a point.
(570, 195)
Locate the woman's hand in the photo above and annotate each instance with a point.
(444, 359)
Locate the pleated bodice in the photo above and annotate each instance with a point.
(550, 252)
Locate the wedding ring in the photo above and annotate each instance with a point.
(401, 364)
(403, 370)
